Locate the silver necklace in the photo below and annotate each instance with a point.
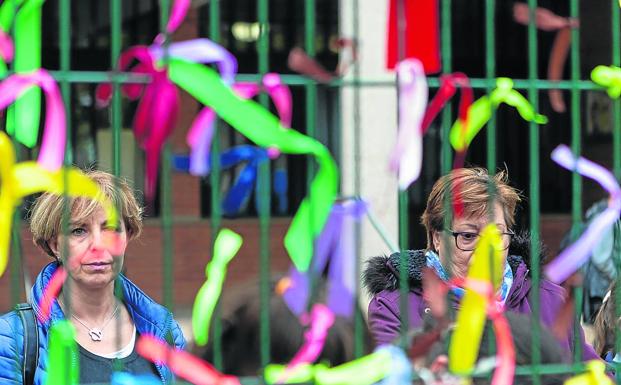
(96, 334)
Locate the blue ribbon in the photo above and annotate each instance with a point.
(239, 193)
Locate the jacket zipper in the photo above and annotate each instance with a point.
(158, 366)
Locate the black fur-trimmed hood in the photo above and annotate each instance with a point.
(382, 272)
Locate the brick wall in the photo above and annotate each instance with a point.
(192, 242)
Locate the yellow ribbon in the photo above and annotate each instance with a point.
(595, 375)
(25, 178)
(487, 265)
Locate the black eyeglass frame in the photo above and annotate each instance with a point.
(455, 234)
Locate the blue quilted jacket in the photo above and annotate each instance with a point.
(149, 317)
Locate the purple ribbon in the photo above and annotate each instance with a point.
(576, 254)
(334, 246)
(201, 132)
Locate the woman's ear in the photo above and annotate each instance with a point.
(53, 246)
(435, 235)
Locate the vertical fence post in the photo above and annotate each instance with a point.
(533, 96)
(264, 191)
(214, 179)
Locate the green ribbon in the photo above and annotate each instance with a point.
(23, 116)
(263, 128)
(64, 363)
(226, 246)
(365, 370)
(480, 113)
(609, 77)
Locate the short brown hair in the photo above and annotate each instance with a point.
(606, 323)
(46, 213)
(472, 187)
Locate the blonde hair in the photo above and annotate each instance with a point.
(46, 213)
(605, 324)
(472, 187)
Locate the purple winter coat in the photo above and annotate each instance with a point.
(381, 278)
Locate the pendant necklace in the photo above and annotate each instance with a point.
(96, 334)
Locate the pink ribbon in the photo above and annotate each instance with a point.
(157, 111)
(201, 132)
(54, 136)
(321, 319)
(50, 293)
(570, 259)
(183, 364)
(6, 47)
(407, 157)
(177, 14)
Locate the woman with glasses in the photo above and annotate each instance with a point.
(482, 199)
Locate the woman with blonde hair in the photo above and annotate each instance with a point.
(106, 326)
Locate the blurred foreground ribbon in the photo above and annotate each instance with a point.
(177, 14)
(64, 361)
(239, 193)
(407, 156)
(123, 378)
(50, 292)
(263, 128)
(366, 370)
(335, 247)
(52, 151)
(483, 280)
(25, 178)
(183, 364)
(24, 16)
(574, 256)
(595, 375)
(608, 77)
(320, 320)
(481, 111)
(227, 244)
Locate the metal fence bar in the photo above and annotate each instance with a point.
(264, 192)
(214, 179)
(533, 96)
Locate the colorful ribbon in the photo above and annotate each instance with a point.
(226, 246)
(481, 111)
(335, 247)
(401, 368)
(366, 370)
(608, 77)
(64, 363)
(407, 156)
(156, 115)
(25, 178)
(201, 132)
(572, 257)
(448, 87)
(464, 347)
(50, 293)
(177, 14)
(263, 128)
(595, 375)
(321, 320)
(52, 151)
(183, 364)
(239, 193)
(25, 18)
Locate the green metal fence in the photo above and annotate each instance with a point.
(530, 87)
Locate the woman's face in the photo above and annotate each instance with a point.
(460, 259)
(95, 251)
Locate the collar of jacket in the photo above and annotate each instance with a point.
(382, 273)
(149, 316)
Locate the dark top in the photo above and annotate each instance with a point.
(95, 369)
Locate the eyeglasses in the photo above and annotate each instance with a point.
(467, 241)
